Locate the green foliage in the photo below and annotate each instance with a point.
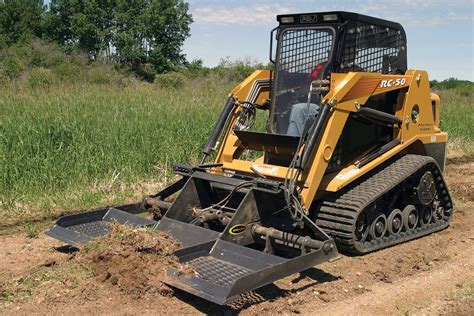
(42, 64)
(196, 68)
(144, 35)
(451, 83)
(20, 20)
(11, 67)
(171, 80)
(40, 78)
(236, 69)
(457, 114)
(147, 35)
(81, 25)
(67, 71)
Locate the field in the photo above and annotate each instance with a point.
(79, 146)
(72, 146)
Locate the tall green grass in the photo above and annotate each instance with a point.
(74, 146)
(457, 115)
(64, 147)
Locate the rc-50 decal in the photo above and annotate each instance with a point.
(388, 83)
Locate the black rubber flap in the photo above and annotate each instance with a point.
(80, 228)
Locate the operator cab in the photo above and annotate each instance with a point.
(310, 47)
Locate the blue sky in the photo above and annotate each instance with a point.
(440, 33)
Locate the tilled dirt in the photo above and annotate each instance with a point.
(431, 275)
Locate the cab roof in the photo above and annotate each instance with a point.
(339, 17)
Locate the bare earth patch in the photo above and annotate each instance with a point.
(121, 273)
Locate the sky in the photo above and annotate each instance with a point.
(439, 33)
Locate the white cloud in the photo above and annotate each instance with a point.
(241, 15)
(419, 13)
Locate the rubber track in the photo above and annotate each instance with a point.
(338, 214)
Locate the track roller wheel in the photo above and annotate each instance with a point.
(426, 215)
(395, 222)
(361, 228)
(378, 228)
(410, 217)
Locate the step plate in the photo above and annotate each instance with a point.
(92, 229)
(217, 271)
(81, 228)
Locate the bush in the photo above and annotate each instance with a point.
(45, 54)
(11, 67)
(67, 71)
(465, 90)
(38, 58)
(40, 78)
(236, 70)
(171, 80)
(195, 69)
(97, 74)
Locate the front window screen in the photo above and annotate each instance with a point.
(302, 57)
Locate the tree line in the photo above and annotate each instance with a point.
(144, 35)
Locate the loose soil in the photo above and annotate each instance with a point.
(121, 273)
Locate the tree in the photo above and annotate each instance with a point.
(149, 34)
(20, 20)
(80, 24)
(146, 35)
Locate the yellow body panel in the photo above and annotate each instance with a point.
(347, 93)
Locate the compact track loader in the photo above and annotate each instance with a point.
(350, 159)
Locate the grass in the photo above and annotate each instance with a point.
(67, 273)
(31, 230)
(457, 116)
(77, 146)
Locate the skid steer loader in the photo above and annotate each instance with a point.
(350, 160)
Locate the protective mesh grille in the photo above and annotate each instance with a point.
(303, 57)
(302, 50)
(372, 48)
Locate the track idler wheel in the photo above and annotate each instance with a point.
(395, 222)
(410, 217)
(378, 228)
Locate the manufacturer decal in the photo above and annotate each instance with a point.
(266, 170)
(388, 83)
(347, 175)
(237, 229)
(309, 18)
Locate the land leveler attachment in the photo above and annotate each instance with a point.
(232, 247)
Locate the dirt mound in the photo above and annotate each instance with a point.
(133, 260)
